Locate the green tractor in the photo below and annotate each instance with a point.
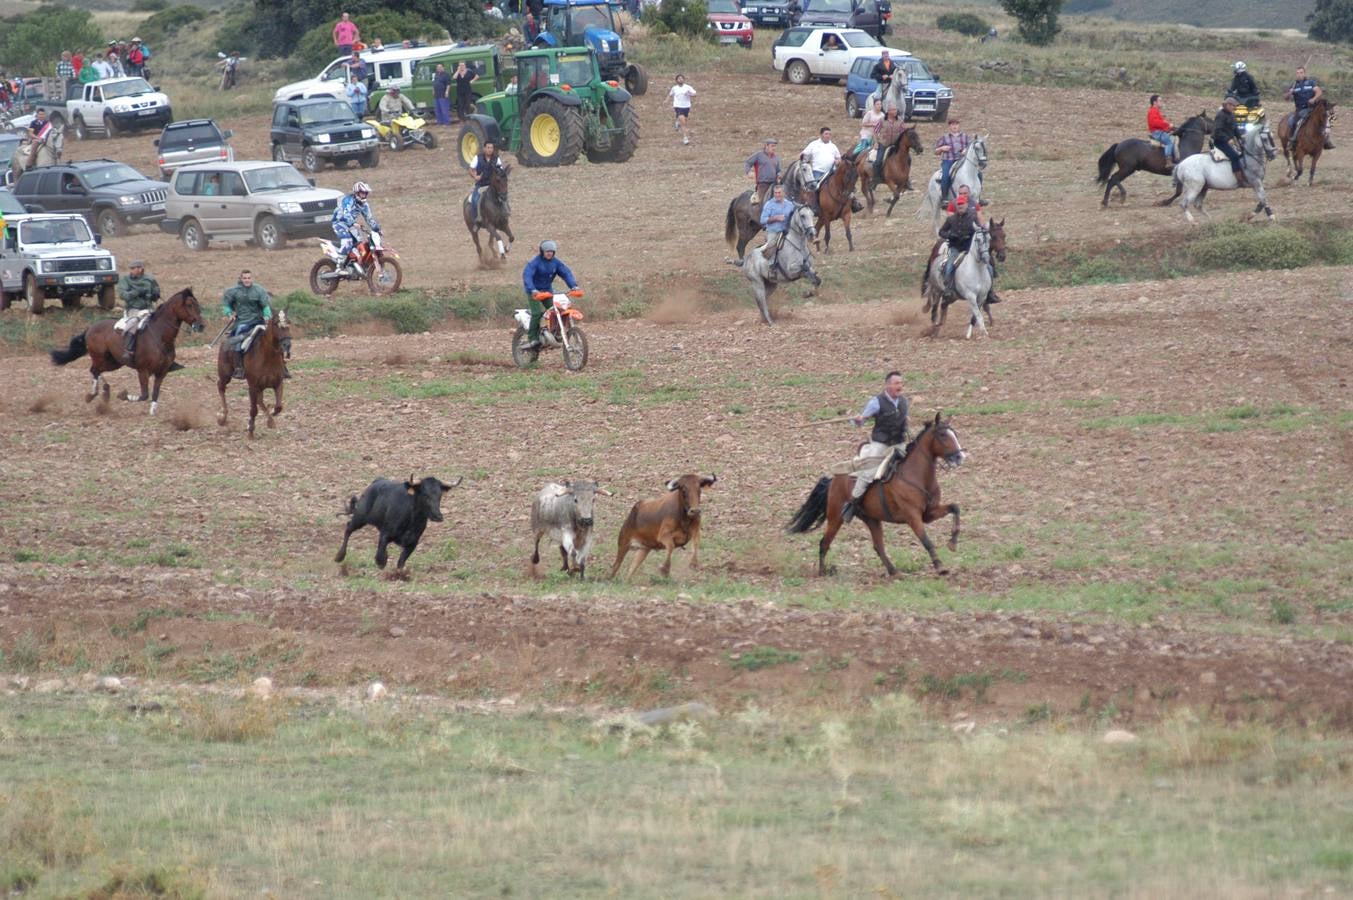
(558, 108)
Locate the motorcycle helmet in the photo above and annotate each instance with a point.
(549, 245)
(1239, 67)
(361, 187)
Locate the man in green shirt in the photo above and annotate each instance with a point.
(139, 293)
(248, 304)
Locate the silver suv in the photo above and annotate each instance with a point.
(261, 202)
(190, 141)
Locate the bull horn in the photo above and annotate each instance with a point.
(447, 487)
(604, 492)
(672, 485)
(709, 479)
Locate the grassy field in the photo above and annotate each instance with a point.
(208, 796)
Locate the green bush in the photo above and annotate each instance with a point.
(1332, 21)
(316, 48)
(165, 23)
(273, 28)
(1098, 270)
(1234, 246)
(32, 43)
(408, 316)
(149, 5)
(469, 308)
(1037, 19)
(964, 23)
(683, 17)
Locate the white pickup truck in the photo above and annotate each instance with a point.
(111, 106)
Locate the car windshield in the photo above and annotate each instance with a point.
(10, 205)
(591, 17)
(326, 112)
(275, 178)
(575, 70)
(60, 231)
(917, 70)
(722, 6)
(189, 134)
(336, 72)
(860, 39)
(126, 88)
(825, 6)
(116, 173)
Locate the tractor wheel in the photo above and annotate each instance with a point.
(553, 132)
(636, 80)
(469, 142)
(622, 147)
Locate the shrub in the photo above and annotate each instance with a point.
(684, 17)
(406, 315)
(469, 309)
(272, 28)
(1236, 246)
(165, 23)
(32, 42)
(149, 5)
(1037, 19)
(964, 23)
(316, 47)
(1331, 21)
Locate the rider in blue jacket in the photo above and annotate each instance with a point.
(344, 222)
(539, 275)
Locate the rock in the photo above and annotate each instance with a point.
(396, 631)
(375, 691)
(1119, 736)
(696, 710)
(109, 684)
(49, 686)
(261, 688)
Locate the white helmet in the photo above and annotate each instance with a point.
(1239, 67)
(548, 245)
(361, 187)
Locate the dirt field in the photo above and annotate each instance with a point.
(1154, 511)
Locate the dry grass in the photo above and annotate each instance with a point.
(216, 719)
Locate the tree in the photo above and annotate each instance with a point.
(316, 48)
(685, 17)
(277, 26)
(1332, 21)
(31, 44)
(1037, 19)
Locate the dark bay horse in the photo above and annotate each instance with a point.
(264, 368)
(1310, 140)
(742, 222)
(835, 195)
(896, 168)
(154, 346)
(1137, 155)
(493, 215)
(908, 493)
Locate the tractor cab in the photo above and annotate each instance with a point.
(591, 23)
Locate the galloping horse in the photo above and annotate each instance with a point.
(493, 215)
(970, 283)
(795, 261)
(908, 493)
(742, 223)
(896, 168)
(967, 170)
(1310, 141)
(154, 355)
(264, 365)
(1136, 155)
(835, 196)
(1195, 175)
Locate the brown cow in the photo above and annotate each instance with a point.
(666, 522)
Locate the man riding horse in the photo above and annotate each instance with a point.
(482, 171)
(889, 412)
(822, 156)
(885, 137)
(892, 79)
(248, 304)
(776, 214)
(1160, 129)
(1304, 92)
(1226, 138)
(957, 232)
(139, 293)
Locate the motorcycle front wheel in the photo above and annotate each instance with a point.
(319, 284)
(384, 277)
(521, 356)
(575, 353)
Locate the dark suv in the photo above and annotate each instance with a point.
(110, 194)
(192, 141)
(867, 15)
(321, 130)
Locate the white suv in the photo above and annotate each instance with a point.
(803, 54)
(384, 69)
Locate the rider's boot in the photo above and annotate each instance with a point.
(848, 512)
(238, 374)
(129, 348)
(1241, 180)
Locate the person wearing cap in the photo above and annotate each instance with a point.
(139, 293)
(957, 232)
(392, 106)
(951, 146)
(1226, 138)
(763, 167)
(538, 276)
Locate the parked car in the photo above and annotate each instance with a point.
(313, 132)
(9, 145)
(47, 256)
(767, 13)
(927, 97)
(384, 68)
(10, 205)
(482, 59)
(862, 14)
(190, 141)
(109, 107)
(259, 201)
(803, 54)
(730, 26)
(110, 194)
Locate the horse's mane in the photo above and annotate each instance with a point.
(911, 444)
(160, 311)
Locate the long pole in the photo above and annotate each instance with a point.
(228, 323)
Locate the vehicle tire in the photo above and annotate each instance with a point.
(636, 80)
(192, 235)
(385, 277)
(941, 112)
(4, 300)
(32, 295)
(109, 126)
(522, 357)
(70, 301)
(621, 148)
(394, 143)
(797, 72)
(319, 286)
(853, 110)
(108, 296)
(370, 159)
(81, 129)
(429, 140)
(108, 223)
(311, 160)
(471, 140)
(554, 131)
(278, 154)
(268, 234)
(576, 356)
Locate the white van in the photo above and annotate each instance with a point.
(391, 67)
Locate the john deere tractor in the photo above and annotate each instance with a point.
(558, 108)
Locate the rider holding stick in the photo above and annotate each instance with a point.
(889, 412)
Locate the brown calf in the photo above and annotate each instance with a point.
(666, 522)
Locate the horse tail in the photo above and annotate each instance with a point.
(925, 276)
(814, 509)
(730, 221)
(1106, 164)
(73, 352)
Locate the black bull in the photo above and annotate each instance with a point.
(400, 511)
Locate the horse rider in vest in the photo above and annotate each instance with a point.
(1226, 138)
(539, 275)
(957, 233)
(344, 222)
(1304, 92)
(1160, 129)
(1243, 87)
(822, 156)
(248, 305)
(889, 412)
(139, 293)
(885, 135)
(482, 170)
(885, 72)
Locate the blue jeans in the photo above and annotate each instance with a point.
(1167, 140)
(946, 177)
(443, 109)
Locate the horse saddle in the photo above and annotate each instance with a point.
(242, 342)
(1218, 156)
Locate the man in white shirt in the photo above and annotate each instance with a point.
(681, 94)
(822, 156)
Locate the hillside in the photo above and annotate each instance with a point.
(1202, 13)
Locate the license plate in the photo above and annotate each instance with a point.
(322, 218)
(348, 148)
(79, 279)
(157, 207)
(147, 112)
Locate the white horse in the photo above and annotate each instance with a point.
(967, 171)
(972, 282)
(794, 260)
(47, 152)
(896, 97)
(1193, 176)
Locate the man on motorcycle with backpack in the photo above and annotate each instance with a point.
(344, 222)
(392, 106)
(482, 170)
(538, 276)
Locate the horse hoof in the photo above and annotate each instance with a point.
(941, 572)
(221, 420)
(953, 544)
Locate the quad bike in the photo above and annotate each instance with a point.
(558, 328)
(371, 261)
(413, 132)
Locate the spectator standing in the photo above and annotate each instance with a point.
(441, 95)
(65, 69)
(346, 33)
(102, 67)
(465, 77)
(763, 167)
(356, 66)
(681, 94)
(356, 94)
(89, 71)
(136, 58)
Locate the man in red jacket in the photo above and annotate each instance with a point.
(1160, 128)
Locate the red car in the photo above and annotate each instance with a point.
(729, 24)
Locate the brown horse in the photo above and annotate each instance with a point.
(835, 198)
(493, 216)
(1138, 155)
(742, 222)
(1310, 140)
(908, 493)
(264, 367)
(154, 354)
(896, 168)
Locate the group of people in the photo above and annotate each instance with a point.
(118, 60)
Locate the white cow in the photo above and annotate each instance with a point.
(564, 511)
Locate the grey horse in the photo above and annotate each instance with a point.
(967, 170)
(794, 261)
(1193, 176)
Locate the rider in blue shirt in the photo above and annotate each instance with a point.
(344, 221)
(539, 275)
(1304, 92)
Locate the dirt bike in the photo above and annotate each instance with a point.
(379, 267)
(229, 66)
(558, 328)
(413, 131)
